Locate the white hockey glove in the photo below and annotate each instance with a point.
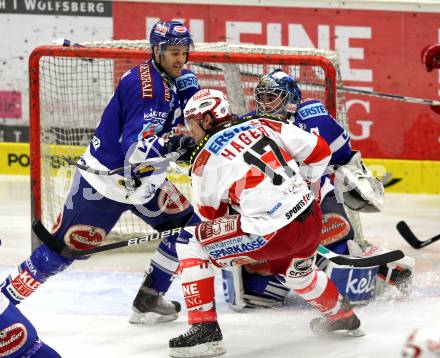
(357, 188)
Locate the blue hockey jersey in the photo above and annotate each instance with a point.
(145, 105)
(312, 116)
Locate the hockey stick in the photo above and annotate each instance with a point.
(141, 167)
(411, 239)
(69, 253)
(395, 97)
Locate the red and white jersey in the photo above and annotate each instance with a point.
(259, 167)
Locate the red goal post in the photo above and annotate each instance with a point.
(70, 86)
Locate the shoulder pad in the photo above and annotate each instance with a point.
(187, 80)
(311, 109)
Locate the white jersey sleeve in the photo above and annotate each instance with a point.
(308, 150)
(252, 166)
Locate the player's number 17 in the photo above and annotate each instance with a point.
(263, 146)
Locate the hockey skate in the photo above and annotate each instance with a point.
(150, 307)
(202, 340)
(343, 323)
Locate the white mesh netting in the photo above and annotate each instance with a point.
(75, 90)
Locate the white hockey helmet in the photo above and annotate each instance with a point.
(423, 343)
(209, 101)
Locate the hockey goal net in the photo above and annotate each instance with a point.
(70, 86)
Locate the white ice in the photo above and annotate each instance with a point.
(83, 312)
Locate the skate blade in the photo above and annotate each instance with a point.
(348, 333)
(210, 349)
(151, 318)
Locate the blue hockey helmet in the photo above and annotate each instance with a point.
(277, 94)
(172, 33)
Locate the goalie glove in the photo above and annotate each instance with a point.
(357, 188)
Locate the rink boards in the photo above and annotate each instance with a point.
(399, 176)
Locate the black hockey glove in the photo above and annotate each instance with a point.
(181, 143)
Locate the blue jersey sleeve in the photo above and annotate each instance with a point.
(187, 85)
(338, 139)
(145, 106)
(313, 117)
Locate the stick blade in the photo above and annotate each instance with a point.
(370, 261)
(45, 236)
(404, 230)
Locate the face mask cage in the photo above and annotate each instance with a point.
(271, 101)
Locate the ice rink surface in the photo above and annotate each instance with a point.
(83, 312)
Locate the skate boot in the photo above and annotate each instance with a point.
(149, 306)
(344, 322)
(202, 340)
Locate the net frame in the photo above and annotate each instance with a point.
(226, 57)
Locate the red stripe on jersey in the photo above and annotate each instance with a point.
(276, 126)
(271, 160)
(200, 162)
(321, 151)
(252, 178)
(211, 213)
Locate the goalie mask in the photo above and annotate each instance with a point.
(170, 33)
(209, 101)
(277, 94)
(423, 343)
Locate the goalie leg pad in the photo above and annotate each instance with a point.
(398, 274)
(32, 272)
(265, 291)
(245, 289)
(357, 284)
(336, 225)
(233, 287)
